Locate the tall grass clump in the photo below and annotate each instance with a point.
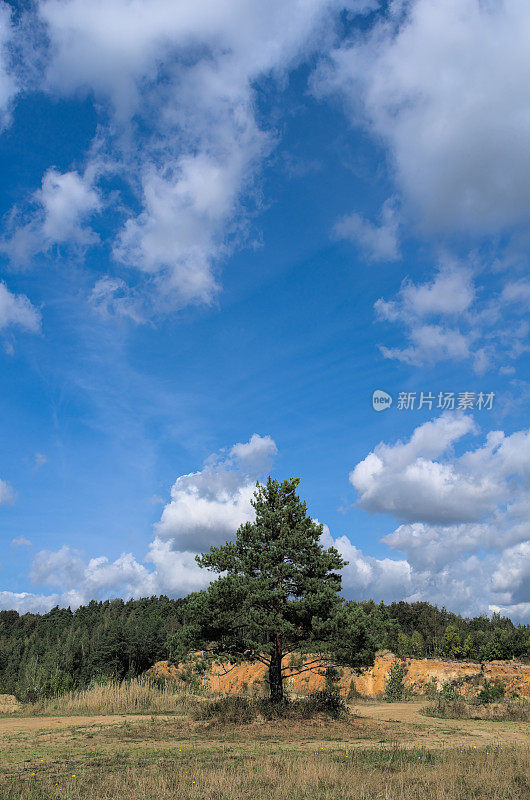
(139, 695)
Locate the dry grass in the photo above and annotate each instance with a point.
(182, 758)
(142, 695)
(507, 711)
(376, 774)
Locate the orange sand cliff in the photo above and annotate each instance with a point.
(369, 682)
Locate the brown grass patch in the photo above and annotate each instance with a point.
(376, 774)
(140, 696)
(508, 711)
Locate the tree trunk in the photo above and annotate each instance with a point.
(275, 673)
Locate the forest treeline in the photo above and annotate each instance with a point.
(47, 654)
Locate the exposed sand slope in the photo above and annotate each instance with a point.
(371, 682)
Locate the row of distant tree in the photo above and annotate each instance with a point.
(61, 650)
(276, 600)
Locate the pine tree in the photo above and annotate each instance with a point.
(278, 592)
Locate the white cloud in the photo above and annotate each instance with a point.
(517, 611)
(466, 537)
(177, 572)
(436, 318)
(7, 495)
(29, 602)
(57, 568)
(430, 547)
(101, 46)
(179, 234)
(366, 577)
(63, 205)
(446, 86)
(205, 509)
(66, 200)
(8, 83)
(21, 541)
(450, 293)
(112, 297)
(40, 460)
(517, 292)
(208, 506)
(511, 579)
(16, 309)
(432, 343)
(77, 581)
(447, 319)
(187, 74)
(407, 481)
(379, 242)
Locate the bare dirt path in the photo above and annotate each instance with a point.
(10, 725)
(400, 722)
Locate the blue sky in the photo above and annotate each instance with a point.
(224, 226)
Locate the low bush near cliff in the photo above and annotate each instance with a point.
(243, 710)
(395, 683)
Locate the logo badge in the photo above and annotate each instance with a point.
(381, 400)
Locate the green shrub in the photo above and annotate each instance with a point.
(353, 693)
(395, 686)
(491, 692)
(238, 710)
(449, 691)
(243, 710)
(330, 704)
(447, 709)
(431, 690)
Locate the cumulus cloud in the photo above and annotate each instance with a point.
(208, 506)
(205, 509)
(446, 88)
(176, 83)
(445, 318)
(412, 482)
(451, 292)
(62, 206)
(436, 318)
(511, 579)
(432, 314)
(463, 531)
(30, 602)
(77, 581)
(464, 518)
(379, 241)
(366, 577)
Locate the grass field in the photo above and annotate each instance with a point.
(388, 751)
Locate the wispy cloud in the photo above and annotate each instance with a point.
(377, 241)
